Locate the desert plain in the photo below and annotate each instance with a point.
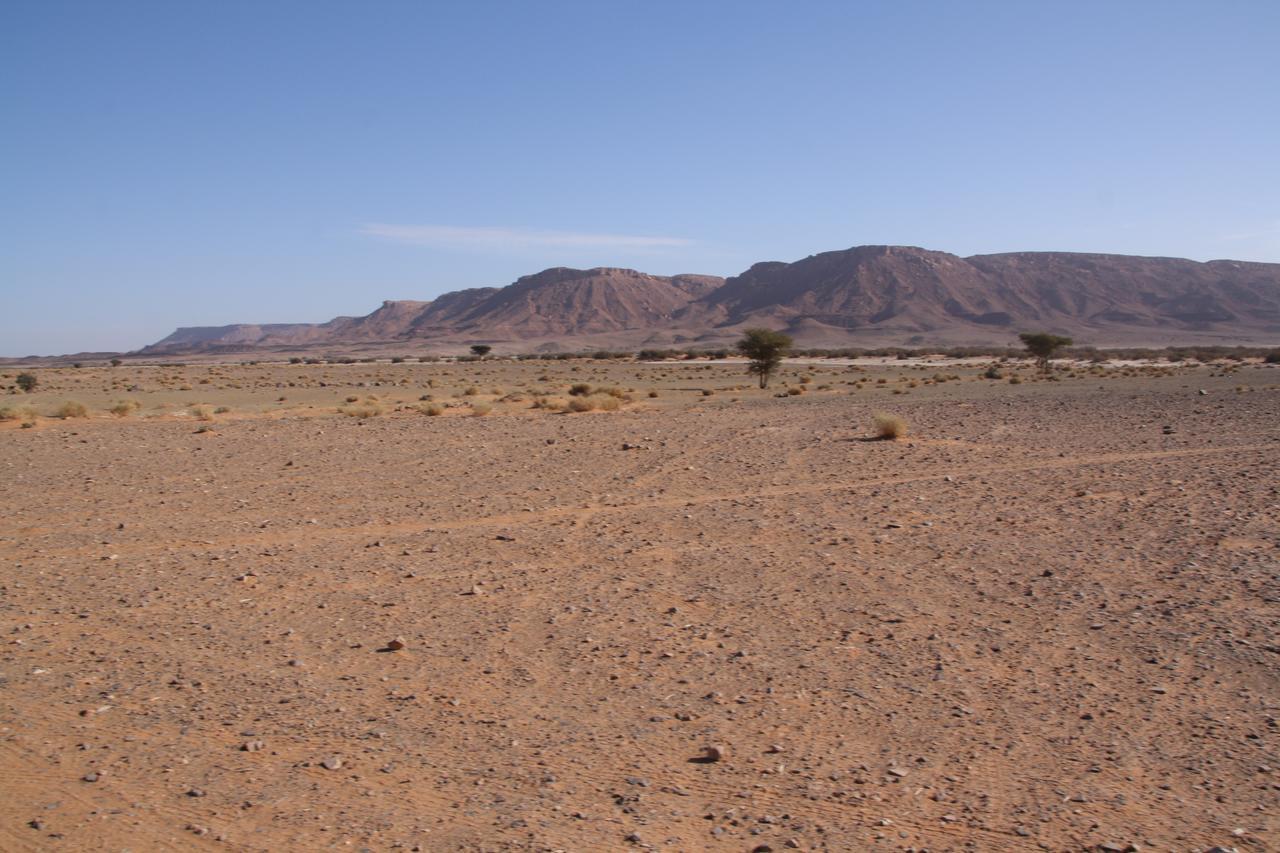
(717, 618)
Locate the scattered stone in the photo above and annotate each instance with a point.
(710, 755)
(333, 762)
(396, 644)
(251, 746)
(91, 777)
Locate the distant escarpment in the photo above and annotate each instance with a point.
(864, 296)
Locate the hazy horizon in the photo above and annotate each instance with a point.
(170, 166)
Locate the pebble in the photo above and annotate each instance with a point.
(333, 762)
(396, 644)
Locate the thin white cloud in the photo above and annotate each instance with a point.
(512, 239)
(1269, 230)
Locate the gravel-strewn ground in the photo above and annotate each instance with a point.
(1049, 618)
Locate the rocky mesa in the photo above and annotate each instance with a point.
(866, 295)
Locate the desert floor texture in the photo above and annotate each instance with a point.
(1047, 618)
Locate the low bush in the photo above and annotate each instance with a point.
(889, 427)
(71, 409)
(367, 408)
(16, 413)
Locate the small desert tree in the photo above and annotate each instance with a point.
(1043, 345)
(765, 348)
(27, 382)
(481, 350)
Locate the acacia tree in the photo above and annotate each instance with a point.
(481, 350)
(765, 348)
(1043, 345)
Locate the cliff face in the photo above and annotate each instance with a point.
(867, 294)
(920, 292)
(568, 303)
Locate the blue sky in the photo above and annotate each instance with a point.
(183, 163)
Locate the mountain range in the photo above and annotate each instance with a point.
(863, 296)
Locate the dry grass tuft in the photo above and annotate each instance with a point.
(16, 413)
(551, 404)
(201, 413)
(368, 408)
(431, 410)
(124, 408)
(889, 427)
(71, 409)
(479, 410)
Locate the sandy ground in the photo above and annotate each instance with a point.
(1047, 619)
